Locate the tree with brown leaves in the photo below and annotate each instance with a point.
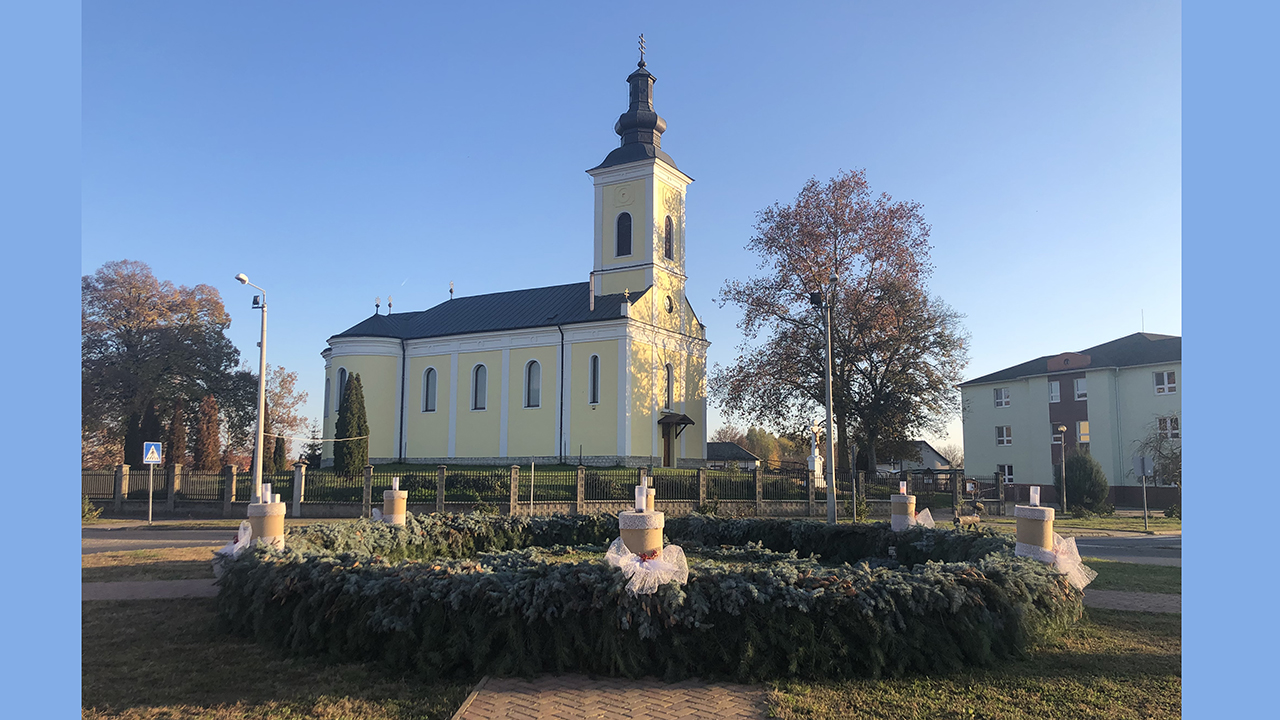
(897, 352)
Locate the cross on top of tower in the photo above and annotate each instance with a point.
(641, 63)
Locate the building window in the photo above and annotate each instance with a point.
(1081, 389)
(429, 390)
(1082, 431)
(326, 396)
(668, 243)
(593, 389)
(624, 235)
(1004, 435)
(1002, 397)
(671, 388)
(1006, 472)
(342, 385)
(533, 384)
(479, 387)
(1166, 383)
(1055, 392)
(1168, 428)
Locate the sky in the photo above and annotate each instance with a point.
(336, 152)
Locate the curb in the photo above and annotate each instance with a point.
(462, 709)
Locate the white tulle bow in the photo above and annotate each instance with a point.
(233, 548)
(646, 576)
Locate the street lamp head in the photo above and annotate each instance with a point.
(815, 299)
(244, 279)
(1061, 428)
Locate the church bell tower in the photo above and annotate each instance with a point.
(639, 203)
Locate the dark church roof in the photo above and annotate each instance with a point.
(512, 310)
(1128, 351)
(640, 127)
(724, 451)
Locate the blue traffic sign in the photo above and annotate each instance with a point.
(150, 453)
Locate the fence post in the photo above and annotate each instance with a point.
(122, 486)
(702, 487)
(813, 476)
(956, 481)
(173, 481)
(515, 491)
(229, 491)
(581, 505)
(441, 471)
(366, 500)
(759, 473)
(299, 487)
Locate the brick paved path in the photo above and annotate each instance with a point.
(576, 697)
(1141, 601)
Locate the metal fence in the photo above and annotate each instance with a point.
(670, 484)
(730, 485)
(98, 484)
(201, 487)
(785, 482)
(489, 486)
(610, 485)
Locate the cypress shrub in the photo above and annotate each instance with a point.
(349, 458)
(176, 441)
(207, 455)
(1087, 486)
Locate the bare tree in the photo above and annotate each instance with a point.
(953, 453)
(1163, 444)
(897, 352)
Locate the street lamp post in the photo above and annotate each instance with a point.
(1062, 432)
(825, 304)
(262, 388)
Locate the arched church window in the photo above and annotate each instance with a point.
(593, 393)
(327, 394)
(671, 387)
(668, 243)
(479, 387)
(429, 390)
(533, 384)
(342, 386)
(624, 235)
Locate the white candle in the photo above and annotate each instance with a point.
(266, 491)
(902, 487)
(276, 497)
(1035, 494)
(640, 498)
(395, 483)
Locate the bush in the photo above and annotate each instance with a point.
(1087, 486)
(747, 613)
(88, 511)
(1173, 511)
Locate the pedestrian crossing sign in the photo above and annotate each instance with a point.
(150, 453)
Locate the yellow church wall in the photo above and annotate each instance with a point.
(593, 429)
(477, 430)
(643, 398)
(532, 431)
(427, 433)
(378, 380)
(668, 200)
(695, 406)
(636, 193)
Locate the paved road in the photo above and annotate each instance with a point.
(1158, 550)
(96, 540)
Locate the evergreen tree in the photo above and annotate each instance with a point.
(175, 451)
(280, 456)
(349, 458)
(1087, 486)
(208, 457)
(133, 440)
(149, 429)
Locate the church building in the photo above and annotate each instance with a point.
(611, 370)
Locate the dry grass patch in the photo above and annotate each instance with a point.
(151, 564)
(1103, 523)
(1113, 665)
(156, 659)
(1132, 577)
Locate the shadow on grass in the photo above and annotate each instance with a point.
(165, 659)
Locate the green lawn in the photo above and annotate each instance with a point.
(1132, 577)
(1114, 522)
(156, 659)
(1113, 665)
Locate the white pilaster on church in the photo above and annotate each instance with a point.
(624, 398)
(399, 426)
(506, 384)
(564, 384)
(453, 403)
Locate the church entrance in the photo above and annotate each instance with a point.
(668, 446)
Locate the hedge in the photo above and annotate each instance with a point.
(747, 613)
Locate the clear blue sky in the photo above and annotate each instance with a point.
(335, 152)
